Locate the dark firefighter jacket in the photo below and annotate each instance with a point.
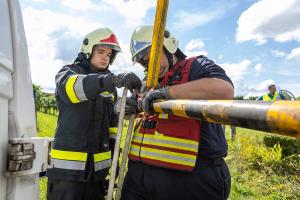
(86, 125)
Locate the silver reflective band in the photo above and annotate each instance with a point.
(193, 146)
(112, 136)
(102, 164)
(159, 155)
(68, 164)
(78, 88)
(77, 165)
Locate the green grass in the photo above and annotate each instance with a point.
(46, 124)
(257, 172)
(46, 127)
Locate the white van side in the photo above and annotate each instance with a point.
(19, 149)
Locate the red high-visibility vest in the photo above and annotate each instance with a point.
(166, 140)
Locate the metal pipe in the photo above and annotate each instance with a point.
(117, 147)
(280, 117)
(124, 157)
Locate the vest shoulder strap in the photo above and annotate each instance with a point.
(179, 72)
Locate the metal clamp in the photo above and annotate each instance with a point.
(20, 156)
(28, 156)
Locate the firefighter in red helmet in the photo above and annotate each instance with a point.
(174, 157)
(86, 127)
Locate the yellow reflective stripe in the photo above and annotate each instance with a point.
(134, 150)
(107, 94)
(102, 156)
(166, 153)
(163, 137)
(113, 130)
(70, 89)
(68, 155)
(163, 116)
(136, 139)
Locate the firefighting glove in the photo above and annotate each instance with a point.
(130, 108)
(162, 93)
(129, 80)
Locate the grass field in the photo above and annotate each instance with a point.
(257, 172)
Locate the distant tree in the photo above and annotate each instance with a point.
(298, 98)
(238, 98)
(253, 98)
(44, 102)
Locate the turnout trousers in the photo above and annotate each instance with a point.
(210, 180)
(74, 190)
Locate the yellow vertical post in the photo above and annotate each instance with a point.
(157, 43)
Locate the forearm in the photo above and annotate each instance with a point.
(206, 88)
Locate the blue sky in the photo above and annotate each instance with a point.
(256, 42)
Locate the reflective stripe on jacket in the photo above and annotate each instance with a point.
(77, 160)
(165, 140)
(85, 127)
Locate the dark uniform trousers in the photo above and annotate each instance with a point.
(210, 180)
(74, 190)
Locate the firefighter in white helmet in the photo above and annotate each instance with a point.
(174, 157)
(86, 127)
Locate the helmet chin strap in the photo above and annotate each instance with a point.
(169, 57)
(170, 62)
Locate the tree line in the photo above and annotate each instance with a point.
(44, 102)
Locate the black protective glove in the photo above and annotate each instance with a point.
(162, 93)
(130, 108)
(129, 80)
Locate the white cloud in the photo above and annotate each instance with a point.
(295, 53)
(78, 4)
(195, 48)
(236, 71)
(40, 25)
(213, 10)
(220, 56)
(277, 53)
(257, 89)
(292, 87)
(270, 19)
(258, 68)
(41, 1)
(132, 10)
(189, 20)
(52, 37)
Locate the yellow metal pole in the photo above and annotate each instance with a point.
(157, 43)
(280, 117)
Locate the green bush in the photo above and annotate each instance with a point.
(289, 146)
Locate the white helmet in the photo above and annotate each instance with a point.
(141, 39)
(101, 36)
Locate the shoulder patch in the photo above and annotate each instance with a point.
(202, 60)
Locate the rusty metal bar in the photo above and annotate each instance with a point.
(280, 117)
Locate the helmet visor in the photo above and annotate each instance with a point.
(112, 46)
(138, 57)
